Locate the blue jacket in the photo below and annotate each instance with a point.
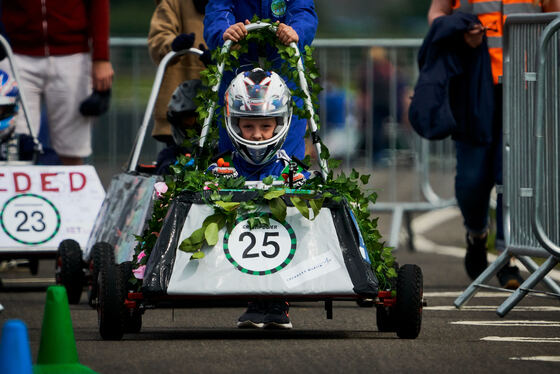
(454, 94)
(299, 14)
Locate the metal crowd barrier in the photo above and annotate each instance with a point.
(370, 81)
(531, 129)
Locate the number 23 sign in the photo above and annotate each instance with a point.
(42, 205)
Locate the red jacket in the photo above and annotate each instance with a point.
(57, 27)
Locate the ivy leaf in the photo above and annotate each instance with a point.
(211, 234)
(272, 194)
(278, 209)
(354, 174)
(316, 205)
(227, 206)
(301, 205)
(268, 180)
(365, 178)
(197, 255)
(333, 163)
(187, 246)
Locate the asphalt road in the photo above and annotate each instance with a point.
(205, 340)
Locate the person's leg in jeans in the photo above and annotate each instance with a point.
(473, 183)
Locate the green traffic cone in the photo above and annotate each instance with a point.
(57, 348)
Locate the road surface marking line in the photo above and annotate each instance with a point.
(486, 308)
(509, 323)
(520, 339)
(537, 358)
(27, 280)
(455, 294)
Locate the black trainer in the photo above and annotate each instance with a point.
(253, 316)
(509, 277)
(475, 259)
(277, 316)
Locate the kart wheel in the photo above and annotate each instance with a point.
(69, 270)
(133, 317)
(386, 319)
(33, 266)
(110, 306)
(409, 301)
(98, 251)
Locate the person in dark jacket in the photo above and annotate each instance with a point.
(226, 20)
(61, 49)
(479, 162)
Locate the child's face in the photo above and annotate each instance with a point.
(257, 129)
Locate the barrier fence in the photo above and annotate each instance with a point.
(367, 84)
(531, 153)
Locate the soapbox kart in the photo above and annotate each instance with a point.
(295, 259)
(41, 205)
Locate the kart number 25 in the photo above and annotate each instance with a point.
(267, 242)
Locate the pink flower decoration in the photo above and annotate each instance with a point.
(141, 255)
(139, 273)
(160, 188)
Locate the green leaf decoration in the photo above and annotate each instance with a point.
(364, 178)
(273, 194)
(211, 234)
(197, 255)
(301, 205)
(316, 205)
(333, 163)
(268, 180)
(278, 209)
(227, 206)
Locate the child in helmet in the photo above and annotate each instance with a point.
(258, 111)
(9, 94)
(181, 114)
(8, 104)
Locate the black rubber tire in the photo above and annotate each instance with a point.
(69, 270)
(386, 318)
(34, 266)
(97, 252)
(133, 317)
(110, 306)
(409, 301)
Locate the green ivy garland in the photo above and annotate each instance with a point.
(188, 172)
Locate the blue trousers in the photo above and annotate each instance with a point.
(479, 168)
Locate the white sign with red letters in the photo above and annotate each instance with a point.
(42, 205)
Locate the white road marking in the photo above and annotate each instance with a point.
(486, 308)
(538, 358)
(27, 280)
(509, 323)
(429, 220)
(520, 339)
(455, 294)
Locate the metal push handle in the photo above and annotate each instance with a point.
(37, 147)
(303, 84)
(538, 229)
(141, 134)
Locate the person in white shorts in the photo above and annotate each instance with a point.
(61, 52)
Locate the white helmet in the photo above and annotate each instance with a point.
(9, 94)
(258, 93)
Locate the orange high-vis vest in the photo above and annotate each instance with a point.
(492, 14)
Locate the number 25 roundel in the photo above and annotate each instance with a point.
(260, 251)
